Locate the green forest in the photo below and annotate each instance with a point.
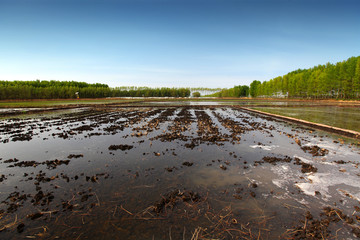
(236, 91)
(338, 81)
(71, 89)
(329, 81)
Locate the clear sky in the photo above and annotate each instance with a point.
(173, 43)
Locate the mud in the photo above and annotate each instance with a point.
(193, 172)
(75, 156)
(173, 198)
(51, 164)
(319, 228)
(121, 147)
(315, 150)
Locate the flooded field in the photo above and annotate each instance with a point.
(180, 172)
(342, 117)
(248, 102)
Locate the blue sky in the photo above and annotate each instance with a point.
(173, 43)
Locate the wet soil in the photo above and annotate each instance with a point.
(315, 150)
(187, 172)
(318, 228)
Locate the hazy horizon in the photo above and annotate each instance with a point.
(173, 43)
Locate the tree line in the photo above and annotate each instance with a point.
(205, 89)
(236, 91)
(71, 89)
(150, 92)
(340, 81)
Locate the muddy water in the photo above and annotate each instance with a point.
(248, 102)
(174, 173)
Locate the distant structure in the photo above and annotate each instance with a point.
(280, 94)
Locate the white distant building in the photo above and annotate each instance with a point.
(280, 95)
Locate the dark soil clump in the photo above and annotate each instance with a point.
(83, 128)
(21, 137)
(52, 164)
(20, 228)
(274, 160)
(75, 156)
(188, 164)
(2, 177)
(315, 150)
(171, 199)
(305, 167)
(340, 162)
(123, 147)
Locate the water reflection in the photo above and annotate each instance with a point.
(342, 117)
(176, 172)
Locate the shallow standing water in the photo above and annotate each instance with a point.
(339, 114)
(342, 117)
(174, 173)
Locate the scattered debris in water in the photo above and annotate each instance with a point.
(272, 169)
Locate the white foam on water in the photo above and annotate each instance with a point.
(278, 183)
(303, 201)
(327, 183)
(267, 148)
(327, 163)
(286, 176)
(322, 182)
(304, 159)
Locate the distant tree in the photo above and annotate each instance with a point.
(254, 88)
(356, 81)
(67, 89)
(236, 91)
(196, 94)
(245, 90)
